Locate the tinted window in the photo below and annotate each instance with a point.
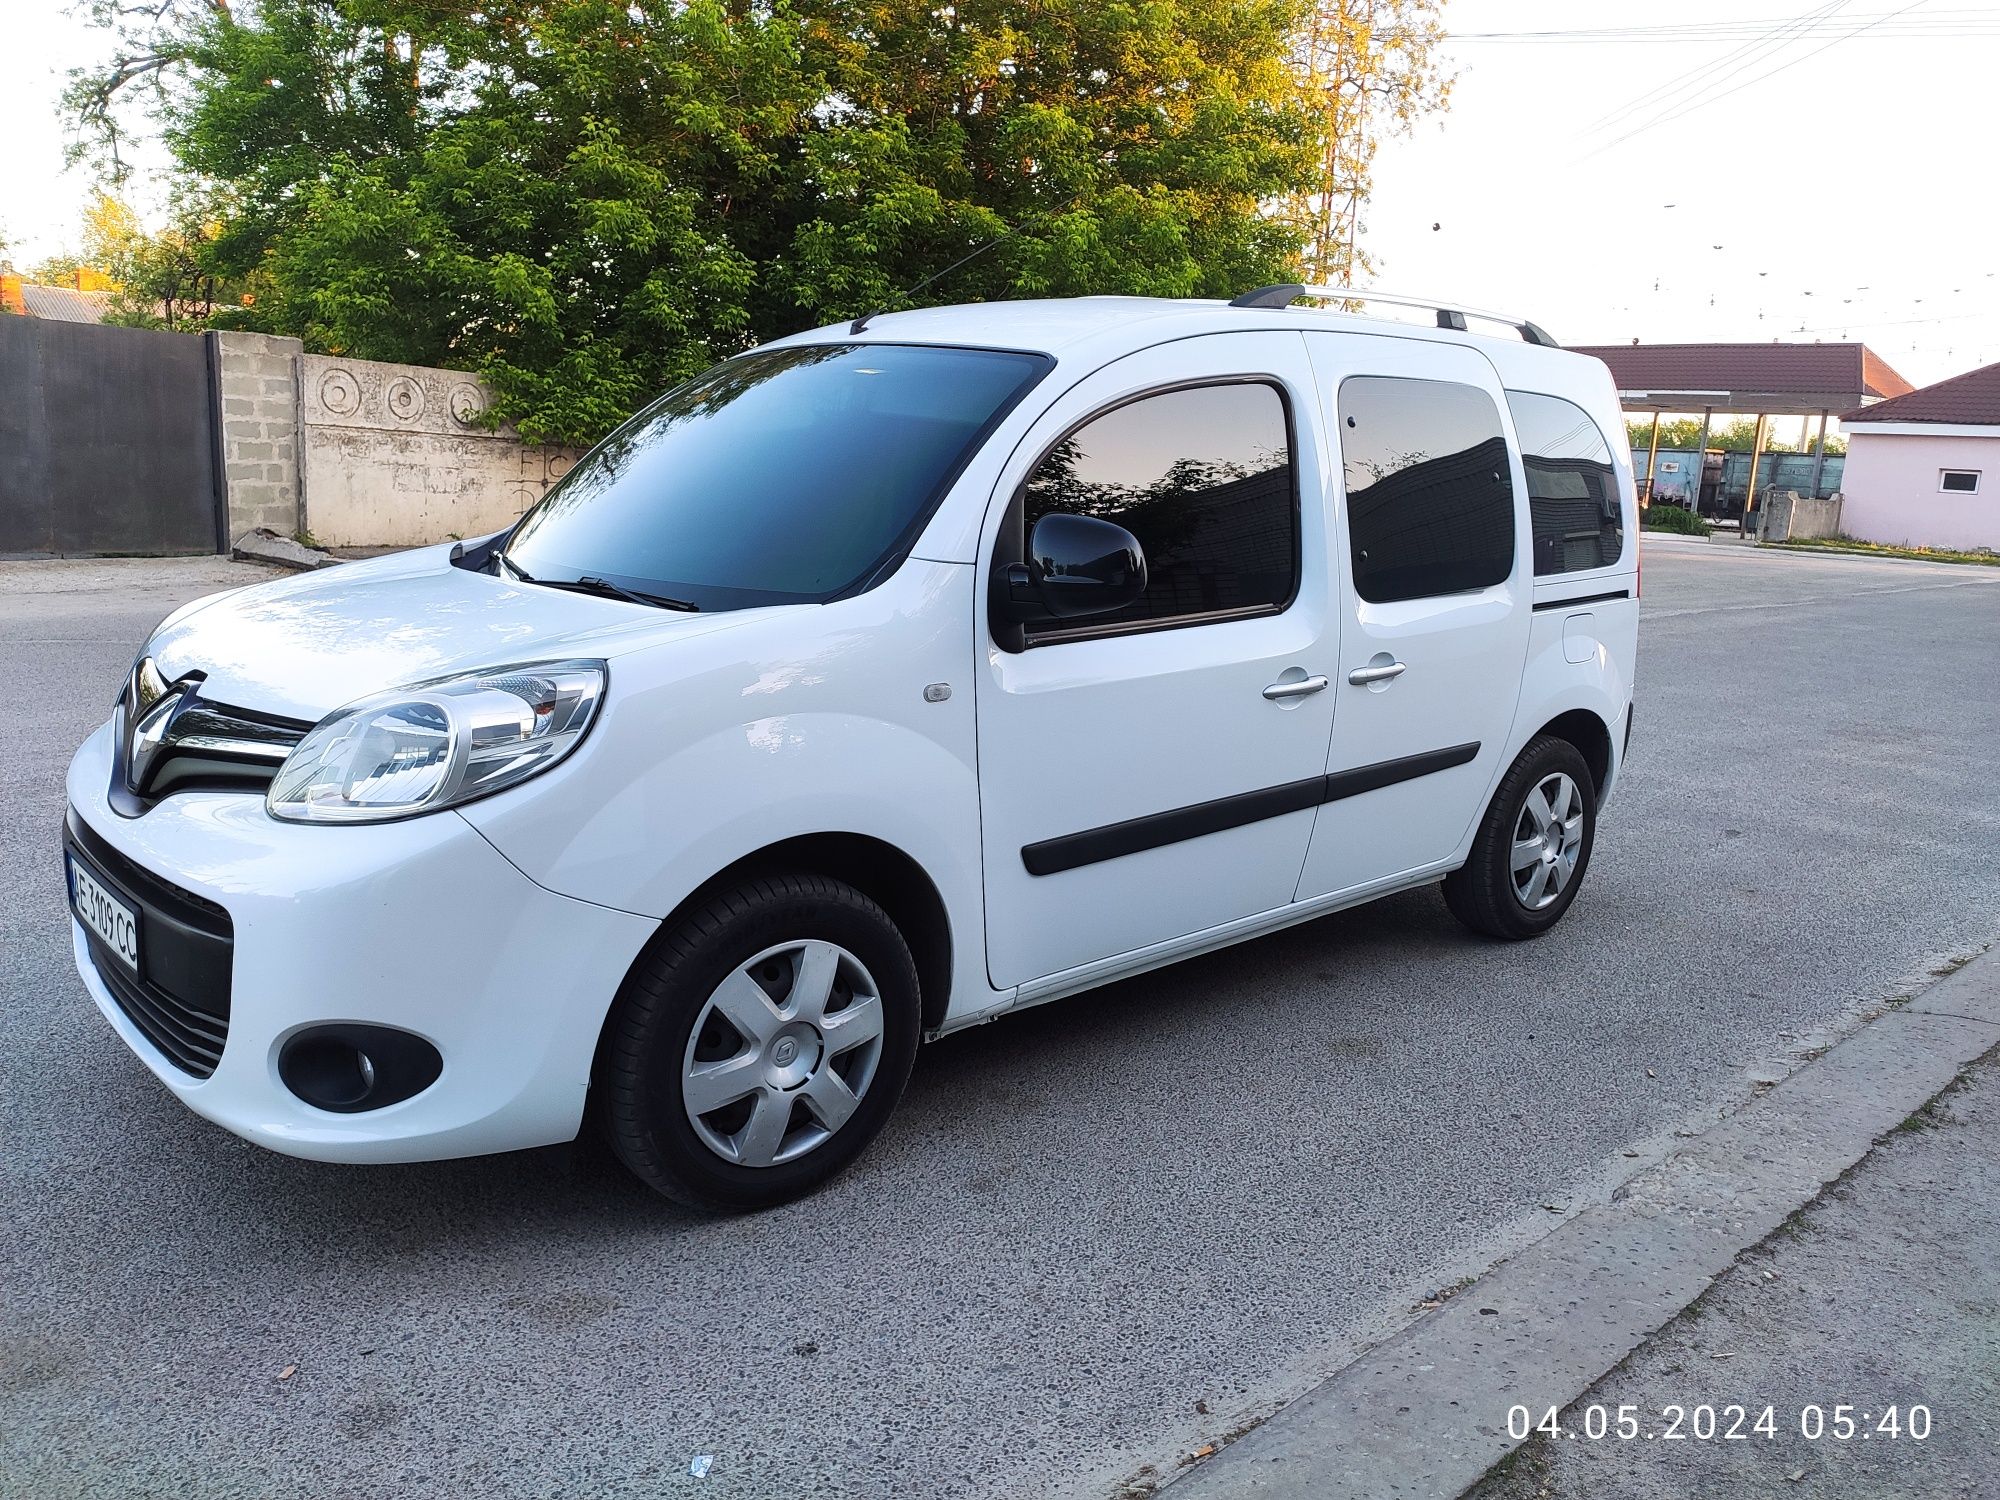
(1203, 478)
(791, 474)
(1430, 503)
(1961, 481)
(1572, 488)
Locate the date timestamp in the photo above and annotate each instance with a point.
(1729, 1423)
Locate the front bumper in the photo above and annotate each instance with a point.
(420, 925)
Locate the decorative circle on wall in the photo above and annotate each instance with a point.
(340, 393)
(467, 402)
(406, 399)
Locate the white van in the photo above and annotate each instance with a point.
(875, 683)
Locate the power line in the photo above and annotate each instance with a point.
(1698, 101)
(1942, 24)
(1776, 36)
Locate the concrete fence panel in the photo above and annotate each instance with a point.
(400, 456)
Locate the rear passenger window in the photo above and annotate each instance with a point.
(1203, 478)
(1430, 500)
(1572, 488)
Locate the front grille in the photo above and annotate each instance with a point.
(179, 1000)
(171, 739)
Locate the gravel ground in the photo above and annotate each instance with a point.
(1097, 1234)
(1884, 1294)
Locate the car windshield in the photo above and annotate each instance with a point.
(781, 476)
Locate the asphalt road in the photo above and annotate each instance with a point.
(1097, 1234)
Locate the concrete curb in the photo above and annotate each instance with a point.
(265, 546)
(1425, 1413)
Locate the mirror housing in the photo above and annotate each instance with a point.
(1077, 566)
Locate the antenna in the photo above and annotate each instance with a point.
(866, 318)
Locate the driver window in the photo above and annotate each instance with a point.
(1203, 477)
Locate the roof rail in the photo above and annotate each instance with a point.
(1448, 315)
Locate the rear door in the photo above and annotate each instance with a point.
(1152, 774)
(1435, 599)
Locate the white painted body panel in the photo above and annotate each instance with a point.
(811, 719)
(1461, 654)
(419, 925)
(502, 930)
(1078, 734)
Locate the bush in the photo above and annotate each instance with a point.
(1675, 518)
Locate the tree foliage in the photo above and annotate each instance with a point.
(1370, 69)
(156, 280)
(1736, 435)
(586, 200)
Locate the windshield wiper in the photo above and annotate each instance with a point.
(591, 584)
(603, 587)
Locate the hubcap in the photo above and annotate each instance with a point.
(782, 1053)
(1548, 837)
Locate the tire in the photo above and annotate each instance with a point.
(784, 975)
(1486, 893)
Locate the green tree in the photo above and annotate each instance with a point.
(587, 200)
(1731, 435)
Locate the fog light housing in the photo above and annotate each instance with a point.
(348, 1068)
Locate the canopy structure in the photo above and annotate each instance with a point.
(1760, 380)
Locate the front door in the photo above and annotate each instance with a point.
(1436, 596)
(1152, 773)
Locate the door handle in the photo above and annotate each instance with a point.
(1304, 687)
(1362, 676)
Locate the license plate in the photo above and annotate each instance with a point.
(115, 923)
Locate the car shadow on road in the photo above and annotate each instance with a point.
(979, 1101)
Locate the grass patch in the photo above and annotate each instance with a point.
(1677, 520)
(1853, 545)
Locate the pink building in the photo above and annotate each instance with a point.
(1923, 470)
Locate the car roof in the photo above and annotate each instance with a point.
(1100, 329)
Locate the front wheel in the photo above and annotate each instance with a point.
(1532, 847)
(759, 1044)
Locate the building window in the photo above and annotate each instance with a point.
(1572, 488)
(1959, 481)
(1203, 477)
(1430, 500)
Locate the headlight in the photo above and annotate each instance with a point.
(437, 744)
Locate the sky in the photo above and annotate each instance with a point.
(1736, 178)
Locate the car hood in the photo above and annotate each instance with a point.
(302, 646)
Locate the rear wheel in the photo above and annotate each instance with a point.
(1532, 847)
(760, 1043)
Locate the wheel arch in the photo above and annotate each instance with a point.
(1586, 730)
(878, 869)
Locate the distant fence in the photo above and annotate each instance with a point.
(107, 441)
(124, 440)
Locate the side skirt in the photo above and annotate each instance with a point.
(1158, 955)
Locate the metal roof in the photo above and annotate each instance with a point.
(1782, 379)
(63, 304)
(1971, 399)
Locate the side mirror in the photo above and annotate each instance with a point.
(1077, 565)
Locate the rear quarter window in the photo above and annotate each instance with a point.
(1573, 502)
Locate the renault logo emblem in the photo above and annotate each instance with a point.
(150, 706)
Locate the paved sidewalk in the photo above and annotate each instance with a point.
(1884, 1292)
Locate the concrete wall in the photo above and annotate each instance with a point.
(258, 384)
(1892, 494)
(397, 455)
(1788, 516)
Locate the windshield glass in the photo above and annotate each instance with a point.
(782, 476)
